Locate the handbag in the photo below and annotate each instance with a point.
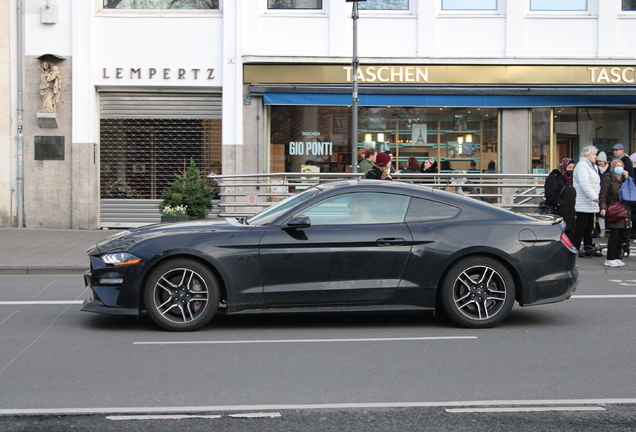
(544, 208)
(627, 192)
(615, 212)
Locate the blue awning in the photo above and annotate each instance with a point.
(440, 100)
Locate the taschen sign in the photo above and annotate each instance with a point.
(439, 74)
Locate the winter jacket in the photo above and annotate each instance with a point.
(365, 165)
(587, 185)
(562, 195)
(375, 173)
(610, 184)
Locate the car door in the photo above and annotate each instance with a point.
(355, 250)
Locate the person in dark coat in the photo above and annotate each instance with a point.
(619, 153)
(560, 193)
(610, 184)
(429, 166)
(382, 168)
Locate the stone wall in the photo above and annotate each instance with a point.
(7, 161)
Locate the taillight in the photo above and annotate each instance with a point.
(568, 244)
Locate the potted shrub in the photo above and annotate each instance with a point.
(186, 197)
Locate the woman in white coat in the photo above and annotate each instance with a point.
(587, 183)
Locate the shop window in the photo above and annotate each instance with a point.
(384, 5)
(457, 139)
(629, 5)
(558, 5)
(161, 4)
(294, 4)
(140, 157)
(469, 4)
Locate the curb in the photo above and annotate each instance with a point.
(42, 270)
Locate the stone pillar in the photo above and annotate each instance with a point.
(7, 108)
(84, 186)
(515, 141)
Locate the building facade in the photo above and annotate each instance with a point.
(121, 94)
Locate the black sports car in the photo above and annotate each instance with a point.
(368, 245)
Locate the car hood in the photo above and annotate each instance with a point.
(125, 239)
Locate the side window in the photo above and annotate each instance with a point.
(422, 210)
(294, 4)
(359, 208)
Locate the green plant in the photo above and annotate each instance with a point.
(188, 191)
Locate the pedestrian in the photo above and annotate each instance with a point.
(619, 152)
(601, 161)
(560, 193)
(586, 182)
(413, 166)
(369, 160)
(382, 168)
(429, 166)
(610, 184)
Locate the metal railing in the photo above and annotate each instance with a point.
(243, 195)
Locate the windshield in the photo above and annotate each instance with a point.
(271, 213)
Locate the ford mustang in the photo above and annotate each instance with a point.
(348, 245)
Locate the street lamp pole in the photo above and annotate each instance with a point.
(354, 105)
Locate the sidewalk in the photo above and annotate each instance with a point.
(63, 251)
(47, 251)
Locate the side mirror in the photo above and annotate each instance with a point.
(299, 222)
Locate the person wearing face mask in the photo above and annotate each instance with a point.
(610, 184)
(601, 161)
(560, 193)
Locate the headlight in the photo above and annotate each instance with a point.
(120, 258)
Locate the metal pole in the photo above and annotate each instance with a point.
(354, 105)
(20, 122)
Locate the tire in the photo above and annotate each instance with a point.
(181, 295)
(477, 292)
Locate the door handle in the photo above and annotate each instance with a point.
(390, 241)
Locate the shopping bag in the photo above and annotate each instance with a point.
(627, 192)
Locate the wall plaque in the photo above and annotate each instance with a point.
(49, 148)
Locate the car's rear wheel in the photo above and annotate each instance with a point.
(477, 292)
(181, 295)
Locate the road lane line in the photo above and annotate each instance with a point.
(162, 417)
(41, 302)
(2, 322)
(521, 409)
(260, 408)
(255, 415)
(229, 342)
(603, 296)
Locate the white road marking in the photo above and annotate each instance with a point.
(260, 408)
(2, 322)
(521, 409)
(255, 415)
(163, 417)
(41, 302)
(604, 296)
(304, 340)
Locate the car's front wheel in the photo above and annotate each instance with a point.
(477, 292)
(181, 295)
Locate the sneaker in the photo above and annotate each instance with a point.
(611, 263)
(620, 263)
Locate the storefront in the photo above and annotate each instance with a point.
(525, 118)
(146, 138)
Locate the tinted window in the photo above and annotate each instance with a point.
(271, 213)
(161, 4)
(358, 208)
(629, 5)
(294, 4)
(426, 210)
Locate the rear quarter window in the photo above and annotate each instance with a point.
(422, 210)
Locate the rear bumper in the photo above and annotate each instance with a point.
(552, 288)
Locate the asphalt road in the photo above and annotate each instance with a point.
(61, 368)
